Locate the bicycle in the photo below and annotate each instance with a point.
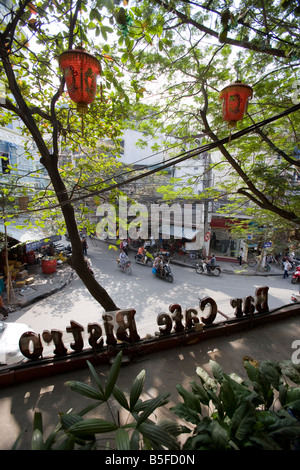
(265, 268)
(252, 262)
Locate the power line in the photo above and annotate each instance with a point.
(181, 157)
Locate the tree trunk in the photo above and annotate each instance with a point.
(77, 261)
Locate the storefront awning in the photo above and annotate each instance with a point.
(178, 232)
(33, 237)
(227, 223)
(22, 235)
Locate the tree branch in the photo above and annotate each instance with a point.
(276, 149)
(233, 42)
(257, 195)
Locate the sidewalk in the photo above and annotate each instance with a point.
(228, 267)
(42, 286)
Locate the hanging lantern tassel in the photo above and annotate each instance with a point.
(80, 71)
(234, 102)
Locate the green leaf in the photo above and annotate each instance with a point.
(170, 426)
(67, 444)
(189, 398)
(84, 389)
(160, 400)
(37, 442)
(293, 394)
(137, 388)
(68, 419)
(291, 370)
(200, 391)
(120, 397)
(205, 378)
(219, 435)
(96, 378)
(38, 421)
(158, 437)
(252, 371)
(122, 440)
(294, 406)
(243, 421)
(113, 375)
(184, 412)
(271, 372)
(89, 427)
(135, 440)
(216, 370)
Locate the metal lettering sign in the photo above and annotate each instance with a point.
(120, 326)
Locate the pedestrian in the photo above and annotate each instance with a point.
(241, 256)
(84, 246)
(286, 267)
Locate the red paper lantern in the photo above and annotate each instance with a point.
(235, 101)
(80, 71)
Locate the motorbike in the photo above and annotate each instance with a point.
(165, 274)
(212, 270)
(147, 261)
(59, 248)
(295, 297)
(89, 266)
(296, 276)
(126, 268)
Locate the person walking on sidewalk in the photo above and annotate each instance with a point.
(84, 246)
(286, 267)
(241, 256)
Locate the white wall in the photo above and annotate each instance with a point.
(141, 156)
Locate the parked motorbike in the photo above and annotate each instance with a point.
(212, 270)
(89, 266)
(147, 261)
(296, 276)
(295, 297)
(165, 274)
(59, 248)
(126, 268)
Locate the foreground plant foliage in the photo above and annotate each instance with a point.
(222, 412)
(230, 413)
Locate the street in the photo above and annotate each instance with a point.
(149, 296)
(144, 292)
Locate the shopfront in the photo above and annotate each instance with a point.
(224, 242)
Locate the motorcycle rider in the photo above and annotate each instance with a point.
(158, 263)
(124, 246)
(123, 259)
(141, 254)
(211, 263)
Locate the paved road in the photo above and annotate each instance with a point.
(147, 294)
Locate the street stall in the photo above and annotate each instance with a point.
(20, 249)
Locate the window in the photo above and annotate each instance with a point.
(5, 162)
